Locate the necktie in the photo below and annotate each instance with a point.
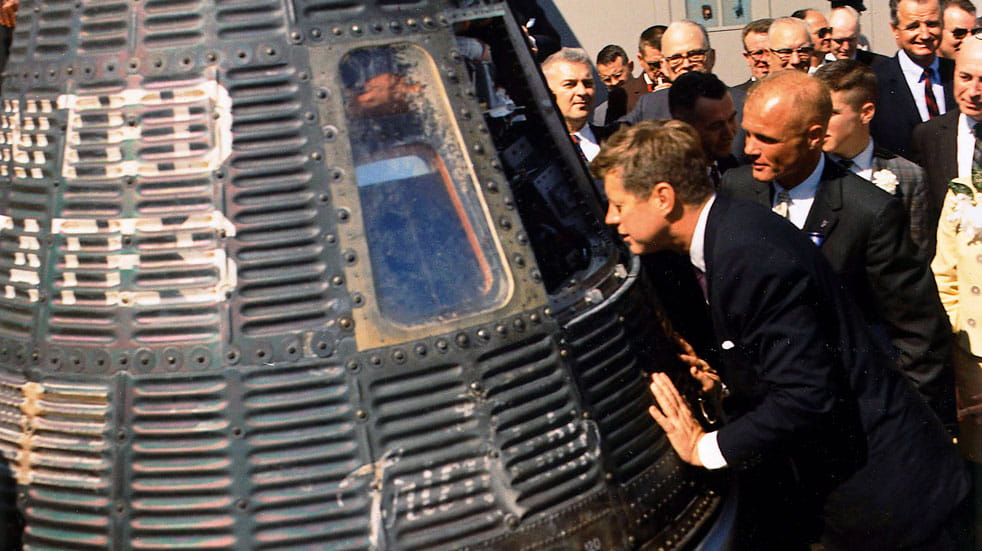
(714, 175)
(576, 142)
(977, 156)
(651, 86)
(701, 278)
(783, 204)
(847, 163)
(932, 103)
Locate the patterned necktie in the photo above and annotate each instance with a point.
(932, 103)
(783, 204)
(977, 156)
(576, 142)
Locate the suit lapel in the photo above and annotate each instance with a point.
(905, 96)
(824, 213)
(947, 149)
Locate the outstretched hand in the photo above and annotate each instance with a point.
(701, 371)
(675, 418)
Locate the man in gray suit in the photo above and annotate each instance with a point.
(853, 88)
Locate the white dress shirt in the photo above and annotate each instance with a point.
(965, 145)
(913, 74)
(862, 164)
(802, 195)
(707, 447)
(587, 142)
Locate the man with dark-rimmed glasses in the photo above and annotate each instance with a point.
(790, 45)
(755, 51)
(844, 42)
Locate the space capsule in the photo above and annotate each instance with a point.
(301, 275)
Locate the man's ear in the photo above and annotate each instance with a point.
(710, 60)
(630, 68)
(866, 112)
(815, 135)
(663, 198)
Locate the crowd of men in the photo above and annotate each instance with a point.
(846, 339)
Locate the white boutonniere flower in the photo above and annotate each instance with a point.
(886, 180)
(967, 213)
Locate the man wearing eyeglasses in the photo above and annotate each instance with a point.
(844, 40)
(790, 45)
(819, 29)
(915, 84)
(958, 20)
(755, 51)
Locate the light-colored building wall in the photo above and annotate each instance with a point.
(596, 24)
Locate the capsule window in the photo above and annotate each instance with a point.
(432, 251)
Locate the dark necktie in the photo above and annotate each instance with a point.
(847, 163)
(701, 278)
(714, 175)
(576, 142)
(977, 156)
(932, 103)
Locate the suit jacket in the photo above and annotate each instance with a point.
(654, 106)
(813, 386)
(865, 238)
(934, 146)
(912, 191)
(870, 58)
(896, 113)
(744, 86)
(958, 272)
(619, 101)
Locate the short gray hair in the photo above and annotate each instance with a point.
(571, 55)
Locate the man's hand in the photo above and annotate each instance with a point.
(708, 379)
(676, 419)
(8, 12)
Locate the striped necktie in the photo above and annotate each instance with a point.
(783, 204)
(929, 99)
(977, 155)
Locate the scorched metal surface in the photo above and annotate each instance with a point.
(301, 275)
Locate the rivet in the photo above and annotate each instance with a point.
(330, 133)
(463, 340)
(501, 329)
(361, 414)
(512, 521)
(519, 325)
(536, 276)
(337, 280)
(355, 29)
(478, 148)
(345, 323)
(504, 222)
(522, 238)
(296, 37)
(353, 366)
(315, 33)
(420, 349)
(534, 318)
(337, 31)
(376, 360)
(492, 186)
(519, 260)
(483, 334)
(442, 345)
(399, 356)
(330, 238)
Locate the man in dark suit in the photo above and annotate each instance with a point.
(826, 439)
(570, 78)
(755, 51)
(861, 229)
(845, 38)
(915, 84)
(945, 146)
(958, 23)
(686, 48)
(705, 103)
(852, 85)
(615, 71)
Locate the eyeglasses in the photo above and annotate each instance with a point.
(785, 53)
(695, 56)
(960, 33)
(824, 31)
(756, 55)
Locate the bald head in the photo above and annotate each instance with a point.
(785, 117)
(685, 47)
(845, 32)
(968, 78)
(818, 27)
(791, 44)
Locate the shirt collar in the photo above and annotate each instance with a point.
(966, 125)
(864, 160)
(913, 70)
(808, 188)
(697, 248)
(586, 133)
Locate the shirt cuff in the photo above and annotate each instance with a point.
(709, 452)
